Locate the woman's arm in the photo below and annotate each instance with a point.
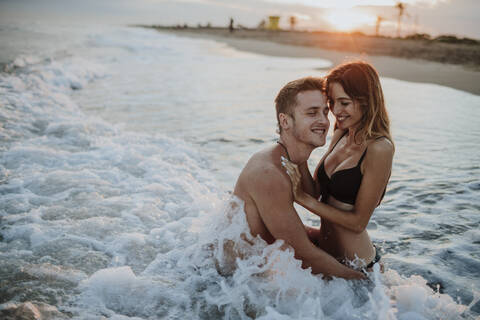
(308, 184)
(377, 167)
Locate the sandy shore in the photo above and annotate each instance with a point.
(400, 59)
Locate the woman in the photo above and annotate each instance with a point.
(351, 178)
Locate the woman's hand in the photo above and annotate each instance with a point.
(295, 177)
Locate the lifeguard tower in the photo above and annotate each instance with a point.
(273, 23)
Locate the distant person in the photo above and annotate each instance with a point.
(265, 187)
(293, 22)
(261, 24)
(351, 178)
(230, 26)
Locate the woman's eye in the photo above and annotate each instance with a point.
(344, 104)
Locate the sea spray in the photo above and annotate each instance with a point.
(223, 272)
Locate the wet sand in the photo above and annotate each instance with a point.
(407, 60)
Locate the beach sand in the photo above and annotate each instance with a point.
(392, 58)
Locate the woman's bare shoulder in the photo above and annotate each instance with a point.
(381, 146)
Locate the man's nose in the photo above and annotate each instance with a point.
(323, 119)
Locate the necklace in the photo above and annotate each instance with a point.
(285, 148)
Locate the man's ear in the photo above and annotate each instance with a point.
(286, 121)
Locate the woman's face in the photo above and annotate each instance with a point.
(346, 110)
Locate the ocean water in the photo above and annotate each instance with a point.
(119, 148)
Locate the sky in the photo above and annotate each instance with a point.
(457, 17)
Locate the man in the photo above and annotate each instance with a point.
(265, 187)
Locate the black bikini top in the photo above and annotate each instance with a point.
(344, 184)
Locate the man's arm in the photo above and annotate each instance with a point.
(271, 191)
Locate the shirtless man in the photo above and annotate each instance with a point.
(265, 187)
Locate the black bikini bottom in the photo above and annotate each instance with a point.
(376, 259)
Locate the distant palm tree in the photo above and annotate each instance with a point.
(401, 10)
(377, 25)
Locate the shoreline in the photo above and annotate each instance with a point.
(465, 77)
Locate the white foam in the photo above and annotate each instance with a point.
(224, 272)
(414, 299)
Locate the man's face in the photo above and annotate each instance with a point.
(311, 122)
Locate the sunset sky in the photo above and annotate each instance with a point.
(459, 17)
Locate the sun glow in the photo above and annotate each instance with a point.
(343, 20)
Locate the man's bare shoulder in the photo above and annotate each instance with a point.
(263, 170)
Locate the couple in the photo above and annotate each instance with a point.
(349, 182)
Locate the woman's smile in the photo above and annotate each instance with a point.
(341, 118)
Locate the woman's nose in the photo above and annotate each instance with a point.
(336, 109)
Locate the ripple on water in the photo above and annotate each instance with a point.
(428, 235)
(452, 229)
(407, 207)
(474, 186)
(463, 264)
(429, 197)
(258, 141)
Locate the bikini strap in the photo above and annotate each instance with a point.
(339, 140)
(363, 156)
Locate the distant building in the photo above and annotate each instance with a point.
(273, 22)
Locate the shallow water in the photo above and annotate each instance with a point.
(118, 149)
